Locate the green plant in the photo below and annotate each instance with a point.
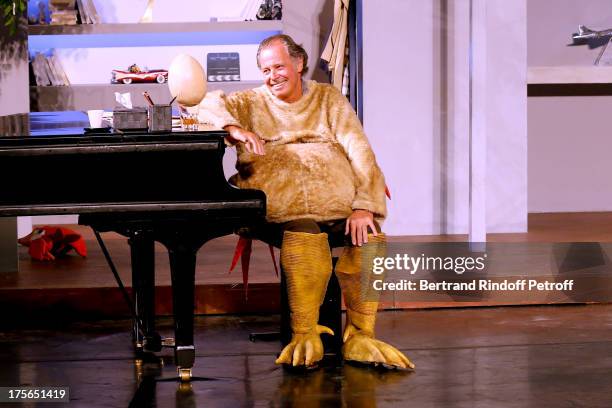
(12, 10)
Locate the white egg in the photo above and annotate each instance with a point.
(187, 80)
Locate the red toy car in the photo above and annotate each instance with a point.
(135, 74)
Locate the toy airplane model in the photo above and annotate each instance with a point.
(586, 35)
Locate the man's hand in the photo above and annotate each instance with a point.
(357, 225)
(252, 142)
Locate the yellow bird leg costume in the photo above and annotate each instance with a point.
(354, 271)
(306, 261)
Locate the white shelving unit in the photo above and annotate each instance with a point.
(569, 75)
(150, 35)
(134, 28)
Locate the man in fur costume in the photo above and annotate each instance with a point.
(303, 145)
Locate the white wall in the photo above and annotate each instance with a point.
(416, 112)
(399, 111)
(569, 154)
(569, 136)
(507, 116)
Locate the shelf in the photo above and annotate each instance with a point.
(42, 37)
(225, 26)
(569, 75)
(85, 97)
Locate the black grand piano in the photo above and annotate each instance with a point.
(167, 187)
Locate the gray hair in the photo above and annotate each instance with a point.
(295, 50)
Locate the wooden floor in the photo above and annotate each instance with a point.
(518, 357)
(66, 282)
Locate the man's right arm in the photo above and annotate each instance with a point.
(252, 142)
(231, 114)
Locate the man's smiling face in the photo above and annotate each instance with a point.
(282, 73)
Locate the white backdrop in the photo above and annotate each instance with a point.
(417, 111)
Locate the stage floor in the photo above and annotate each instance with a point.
(539, 356)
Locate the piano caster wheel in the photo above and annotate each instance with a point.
(184, 374)
(168, 342)
(185, 388)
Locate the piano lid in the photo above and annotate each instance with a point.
(116, 173)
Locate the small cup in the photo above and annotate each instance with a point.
(189, 121)
(95, 118)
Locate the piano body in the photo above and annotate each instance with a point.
(167, 187)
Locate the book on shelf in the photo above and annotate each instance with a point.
(61, 5)
(95, 17)
(62, 12)
(48, 71)
(85, 19)
(91, 14)
(88, 12)
(53, 78)
(45, 67)
(40, 70)
(37, 77)
(66, 17)
(63, 78)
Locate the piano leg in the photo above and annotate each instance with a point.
(182, 269)
(182, 238)
(143, 283)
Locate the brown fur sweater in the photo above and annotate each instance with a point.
(318, 162)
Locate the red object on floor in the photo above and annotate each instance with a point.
(46, 243)
(243, 252)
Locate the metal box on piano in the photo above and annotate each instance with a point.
(130, 119)
(160, 118)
